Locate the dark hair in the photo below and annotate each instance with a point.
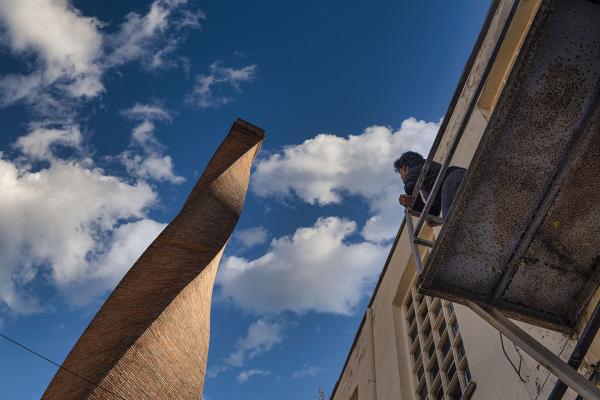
(408, 159)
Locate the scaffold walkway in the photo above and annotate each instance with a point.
(522, 239)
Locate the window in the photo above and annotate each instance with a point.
(442, 328)
(427, 331)
(451, 371)
(454, 328)
(455, 392)
(416, 353)
(423, 312)
(465, 376)
(423, 392)
(410, 316)
(439, 394)
(437, 308)
(460, 350)
(413, 334)
(418, 296)
(439, 364)
(431, 350)
(445, 346)
(420, 372)
(433, 369)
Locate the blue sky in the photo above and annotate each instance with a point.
(110, 111)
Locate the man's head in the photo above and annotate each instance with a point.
(405, 161)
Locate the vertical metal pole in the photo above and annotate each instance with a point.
(463, 79)
(581, 348)
(466, 118)
(540, 353)
(411, 236)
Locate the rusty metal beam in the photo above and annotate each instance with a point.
(537, 351)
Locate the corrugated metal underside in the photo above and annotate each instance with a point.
(524, 234)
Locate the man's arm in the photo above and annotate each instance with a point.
(417, 205)
(409, 186)
(411, 180)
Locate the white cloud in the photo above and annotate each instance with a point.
(143, 135)
(151, 166)
(325, 168)
(148, 37)
(68, 222)
(251, 237)
(210, 90)
(326, 267)
(136, 33)
(261, 337)
(245, 375)
(65, 44)
(146, 159)
(129, 240)
(307, 371)
(214, 371)
(147, 112)
(63, 220)
(315, 269)
(191, 19)
(14, 87)
(71, 52)
(40, 143)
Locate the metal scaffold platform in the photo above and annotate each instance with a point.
(522, 239)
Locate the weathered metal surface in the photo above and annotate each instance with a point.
(524, 234)
(537, 351)
(150, 338)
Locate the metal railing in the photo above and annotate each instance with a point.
(415, 231)
(565, 372)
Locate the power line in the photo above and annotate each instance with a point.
(517, 370)
(59, 366)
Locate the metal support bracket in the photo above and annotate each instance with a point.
(536, 350)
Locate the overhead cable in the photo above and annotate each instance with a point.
(35, 353)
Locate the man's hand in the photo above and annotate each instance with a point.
(432, 224)
(404, 200)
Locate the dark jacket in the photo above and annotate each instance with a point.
(411, 180)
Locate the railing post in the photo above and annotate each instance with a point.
(413, 244)
(463, 124)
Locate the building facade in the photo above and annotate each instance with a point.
(410, 346)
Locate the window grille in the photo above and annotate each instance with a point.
(440, 368)
(437, 308)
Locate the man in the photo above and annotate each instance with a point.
(409, 166)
